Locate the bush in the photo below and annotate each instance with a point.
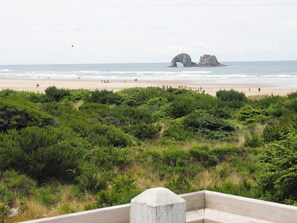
(104, 135)
(124, 116)
(178, 132)
(55, 94)
(244, 188)
(179, 185)
(17, 183)
(93, 179)
(6, 196)
(144, 131)
(277, 130)
(208, 125)
(17, 114)
(203, 156)
(292, 95)
(47, 196)
(254, 141)
(120, 191)
(232, 98)
(171, 162)
(249, 114)
(291, 104)
(80, 94)
(41, 153)
(105, 97)
(4, 212)
(277, 181)
(107, 158)
(181, 107)
(138, 96)
(268, 101)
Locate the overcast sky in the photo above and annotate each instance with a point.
(113, 31)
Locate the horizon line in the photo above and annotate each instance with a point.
(110, 63)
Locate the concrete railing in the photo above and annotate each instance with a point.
(159, 205)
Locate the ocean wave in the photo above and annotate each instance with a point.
(198, 72)
(6, 70)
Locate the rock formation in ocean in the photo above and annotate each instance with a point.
(209, 61)
(183, 58)
(205, 61)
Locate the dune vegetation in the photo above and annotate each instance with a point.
(71, 150)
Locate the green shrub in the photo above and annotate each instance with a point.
(226, 151)
(231, 98)
(6, 196)
(244, 188)
(144, 131)
(17, 183)
(80, 94)
(221, 112)
(291, 104)
(105, 97)
(203, 156)
(268, 101)
(277, 181)
(179, 184)
(292, 95)
(249, 114)
(7, 93)
(67, 209)
(92, 178)
(171, 162)
(120, 191)
(277, 130)
(154, 104)
(138, 96)
(47, 196)
(17, 114)
(208, 125)
(178, 132)
(41, 153)
(55, 94)
(181, 107)
(107, 158)
(124, 116)
(254, 141)
(4, 212)
(104, 135)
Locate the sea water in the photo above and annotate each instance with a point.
(273, 72)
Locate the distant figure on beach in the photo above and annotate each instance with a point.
(37, 85)
(135, 79)
(259, 89)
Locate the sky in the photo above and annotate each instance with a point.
(128, 31)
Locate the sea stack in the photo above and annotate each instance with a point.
(183, 58)
(209, 61)
(205, 61)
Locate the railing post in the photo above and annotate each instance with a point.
(158, 205)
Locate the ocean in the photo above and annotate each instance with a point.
(273, 72)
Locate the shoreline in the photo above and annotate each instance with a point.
(250, 89)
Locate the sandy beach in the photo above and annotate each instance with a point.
(116, 85)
